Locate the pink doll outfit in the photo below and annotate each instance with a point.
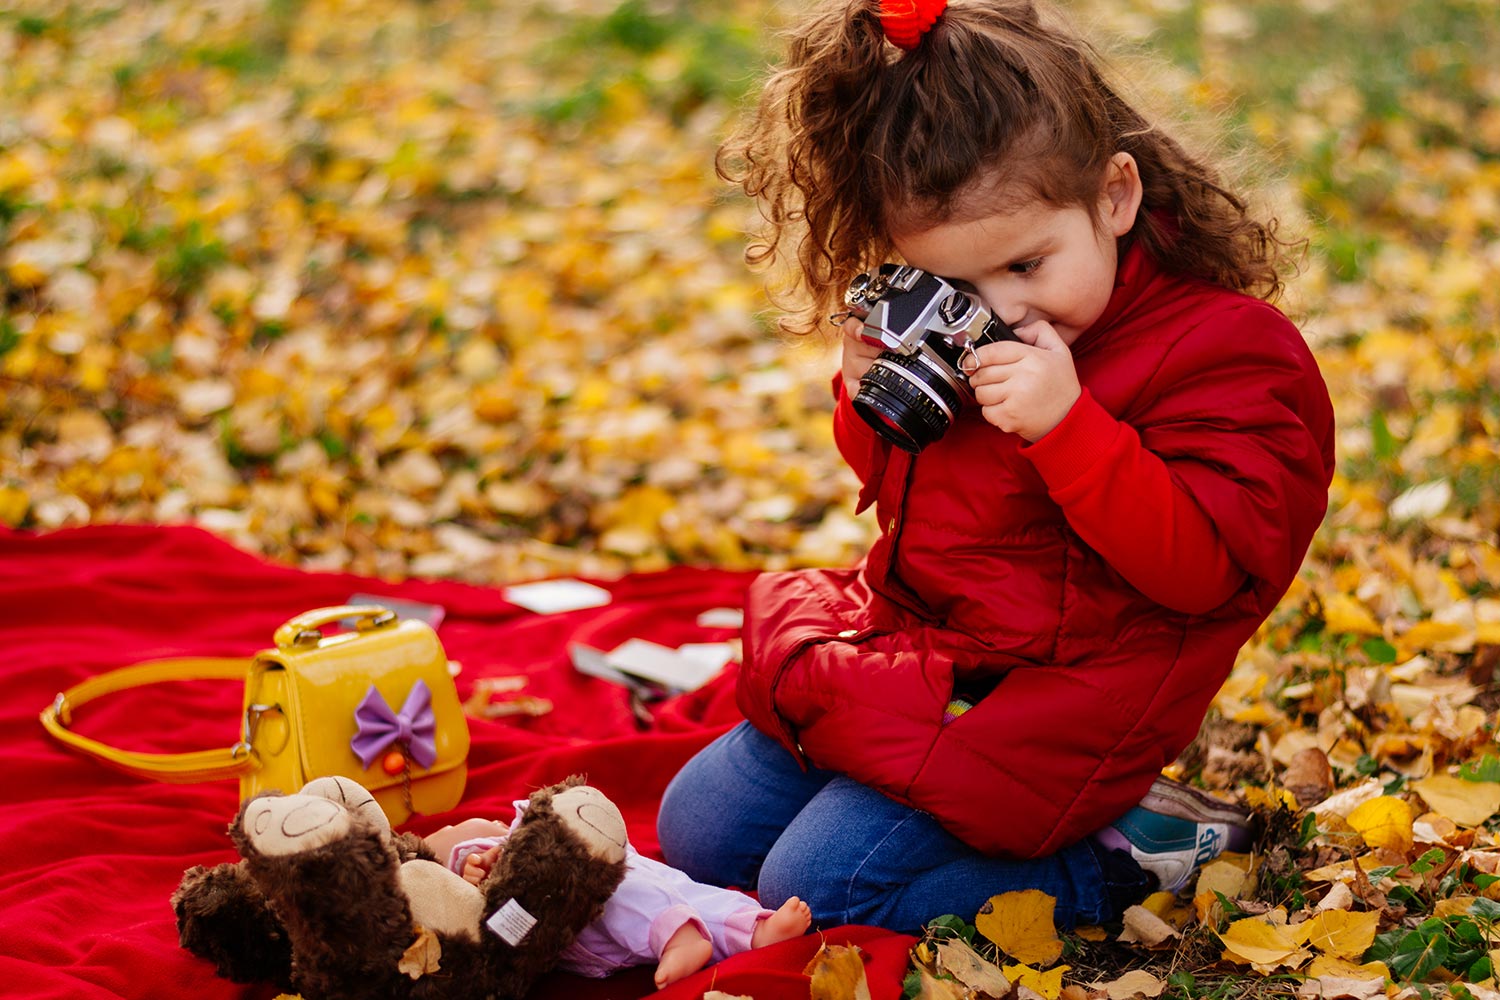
(653, 903)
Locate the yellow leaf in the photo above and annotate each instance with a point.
(1269, 799)
(1468, 803)
(14, 503)
(1341, 933)
(1383, 822)
(1020, 923)
(1092, 933)
(1048, 984)
(838, 973)
(1341, 968)
(1342, 613)
(1256, 941)
(1222, 876)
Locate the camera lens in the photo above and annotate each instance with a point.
(907, 401)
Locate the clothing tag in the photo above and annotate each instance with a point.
(554, 596)
(511, 922)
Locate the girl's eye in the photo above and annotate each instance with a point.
(1026, 266)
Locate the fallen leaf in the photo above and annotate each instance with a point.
(1308, 777)
(1257, 942)
(1135, 983)
(933, 988)
(1020, 924)
(955, 957)
(1468, 803)
(1342, 968)
(423, 955)
(1383, 822)
(1144, 927)
(838, 973)
(1338, 897)
(1048, 984)
(1341, 933)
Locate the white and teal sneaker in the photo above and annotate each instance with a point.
(1177, 829)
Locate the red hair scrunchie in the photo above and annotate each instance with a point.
(906, 21)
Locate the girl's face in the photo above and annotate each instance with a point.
(1032, 261)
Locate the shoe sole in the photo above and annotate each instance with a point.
(1171, 798)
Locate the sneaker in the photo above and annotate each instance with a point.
(1177, 829)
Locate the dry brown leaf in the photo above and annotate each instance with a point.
(1144, 927)
(423, 955)
(964, 964)
(1309, 777)
(1136, 983)
(933, 988)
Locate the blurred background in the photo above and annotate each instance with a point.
(449, 288)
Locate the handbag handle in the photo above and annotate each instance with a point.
(307, 628)
(198, 765)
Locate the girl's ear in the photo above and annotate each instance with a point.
(1121, 198)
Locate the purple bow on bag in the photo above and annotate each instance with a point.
(414, 727)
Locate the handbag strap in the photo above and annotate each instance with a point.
(198, 765)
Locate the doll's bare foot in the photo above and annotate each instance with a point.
(685, 952)
(792, 920)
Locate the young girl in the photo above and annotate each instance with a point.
(657, 915)
(1061, 581)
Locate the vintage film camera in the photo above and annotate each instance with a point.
(915, 389)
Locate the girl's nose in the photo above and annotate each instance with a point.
(1012, 314)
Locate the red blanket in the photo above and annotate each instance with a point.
(89, 855)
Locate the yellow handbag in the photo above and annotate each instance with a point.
(376, 703)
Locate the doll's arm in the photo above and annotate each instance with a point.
(442, 842)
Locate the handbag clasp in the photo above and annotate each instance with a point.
(248, 725)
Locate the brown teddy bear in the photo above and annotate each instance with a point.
(328, 902)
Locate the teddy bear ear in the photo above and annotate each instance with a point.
(593, 819)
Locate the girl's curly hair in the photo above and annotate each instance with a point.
(852, 139)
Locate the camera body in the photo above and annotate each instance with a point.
(914, 391)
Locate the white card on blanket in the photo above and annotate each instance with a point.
(662, 665)
(548, 597)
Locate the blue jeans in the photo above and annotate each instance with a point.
(742, 812)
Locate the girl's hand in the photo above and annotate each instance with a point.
(1026, 387)
(478, 864)
(859, 354)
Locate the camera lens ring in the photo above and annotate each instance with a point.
(907, 401)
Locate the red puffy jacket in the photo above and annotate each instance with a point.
(1091, 589)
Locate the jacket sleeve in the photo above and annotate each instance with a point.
(1223, 476)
